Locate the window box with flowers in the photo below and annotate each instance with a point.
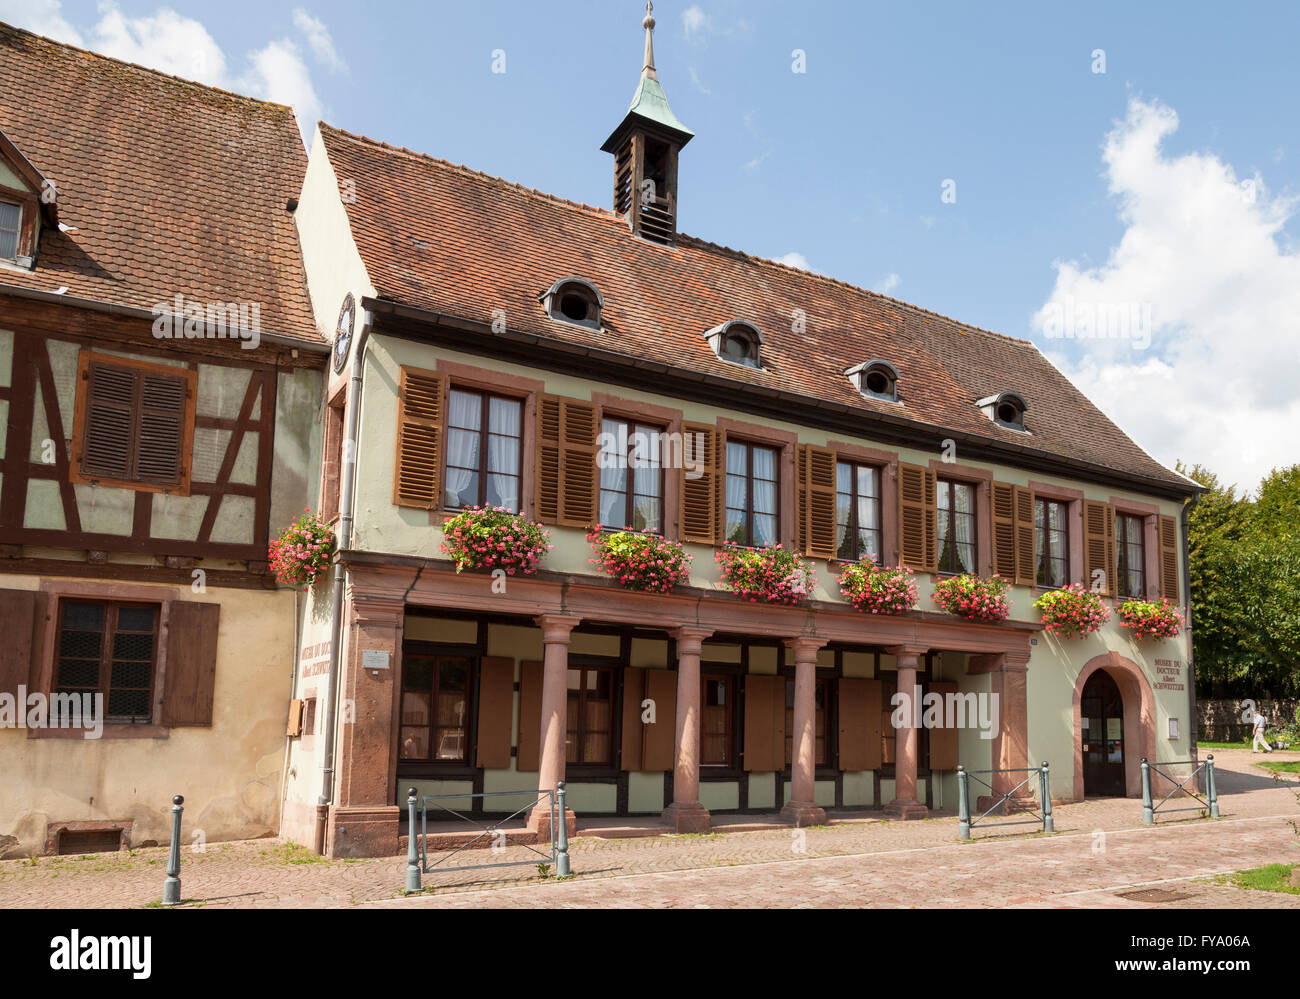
(976, 598)
(301, 555)
(1072, 611)
(770, 574)
(1151, 619)
(873, 589)
(492, 537)
(643, 562)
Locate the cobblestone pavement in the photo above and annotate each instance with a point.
(1100, 851)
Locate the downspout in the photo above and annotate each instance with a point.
(347, 499)
(1193, 726)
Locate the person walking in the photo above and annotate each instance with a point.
(1261, 723)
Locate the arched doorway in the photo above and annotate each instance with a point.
(1101, 728)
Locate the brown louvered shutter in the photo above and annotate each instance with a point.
(528, 749)
(1004, 530)
(22, 623)
(1026, 573)
(1168, 537)
(160, 452)
(107, 444)
(496, 701)
(700, 520)
(135, 423)
(859, 723)
(764, 722)
(566, 461)
(421, 414)
(917, 518)
(190, 673)
(632, 737)
(815, 489)
(943, 740)
(657, 748)
(1099, 546)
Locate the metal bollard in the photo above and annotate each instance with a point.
(412, 856)
(963, 803)
(1045, 786)
(1211, 791)
(562, 836)
(172, 884)
(1148, 811)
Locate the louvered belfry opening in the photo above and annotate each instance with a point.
(645, 187)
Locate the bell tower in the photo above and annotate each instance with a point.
(645, 147)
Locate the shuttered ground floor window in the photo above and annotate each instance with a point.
(109, 648)
(590, 716)
(717, 720)
(435, 707)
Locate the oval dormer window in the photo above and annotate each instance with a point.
(875, 379)
(1006, 409)
(574, 300)
(736, 341)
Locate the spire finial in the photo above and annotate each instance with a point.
(648, 22)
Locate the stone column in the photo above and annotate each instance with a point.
(1008, 673)
(907, 739)
(801, 809)
(686, 814)
(554, 723)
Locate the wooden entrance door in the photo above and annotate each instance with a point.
(1101, 726)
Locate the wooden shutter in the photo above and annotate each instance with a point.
(530, 717)
(190, 673)
(496, 702)
(1026, 571)
(1099, 545)
(917, 518)
(1167, 529)
(1004, 530)
(294, 727)
(815, 492)
(764, 722)
(943, 740)
(421, 415)
(22, 625)
(566, 461)
(859, 723)
(658, 745)
(699, 516)
(633, 736)
(160, 447)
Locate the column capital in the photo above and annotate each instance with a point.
(556, 628)
(908, 655)
(689, 639)
(804, 646)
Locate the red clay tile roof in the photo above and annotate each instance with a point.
(173, 187)
(437, 236)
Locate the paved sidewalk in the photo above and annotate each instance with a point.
(877, 863)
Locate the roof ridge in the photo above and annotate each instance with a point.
(469, 171)
(696, 241)
(5, 25)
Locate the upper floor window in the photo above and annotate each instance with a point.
(484, 450)
(736, 341)
(751, 494)
(857, 511)
(956, 527)
(1130, 554)
(435, 707)
(134, 424)
(109, 648)
(574, 300)
(590, 716)
(1051, 542)
(11, 224)
(876, 379)
(631, 476)
(1007, 409)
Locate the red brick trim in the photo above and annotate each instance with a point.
(1139, 719)
(54, 830)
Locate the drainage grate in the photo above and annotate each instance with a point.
(90, 841)
(1152, 895)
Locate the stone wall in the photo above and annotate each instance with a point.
(1221, 720)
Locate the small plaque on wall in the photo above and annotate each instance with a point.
(374, 659)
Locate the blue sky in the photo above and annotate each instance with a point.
(1185, 229)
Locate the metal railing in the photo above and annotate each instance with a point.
(1042, 815)
(417, 853)
(1210, 803)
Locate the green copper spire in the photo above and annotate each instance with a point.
(649, 107)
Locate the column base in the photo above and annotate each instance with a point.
(539, 822)
(687, 817)
(803, 813)
(362, 831)
(908, 809)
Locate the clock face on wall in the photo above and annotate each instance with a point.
(343, 334)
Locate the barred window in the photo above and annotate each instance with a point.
(109, 648)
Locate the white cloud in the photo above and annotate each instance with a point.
(889, 283)
(320, 40)
(183, 46)
(696, 82)
(793, 260)
(1200, 273)
(695, 22)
